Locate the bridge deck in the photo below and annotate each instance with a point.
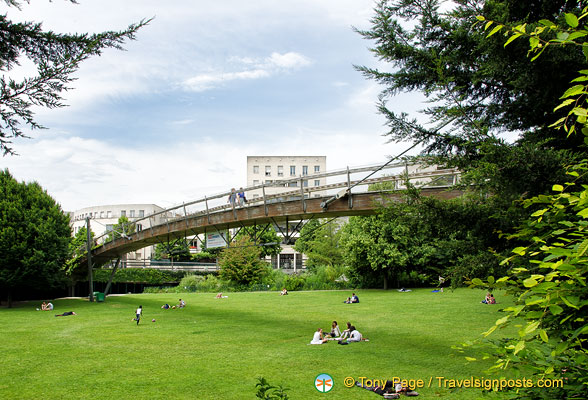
(362, 204)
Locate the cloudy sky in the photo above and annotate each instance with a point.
(205, 84)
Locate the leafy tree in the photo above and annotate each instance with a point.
(476, 84)
(77, 249)
(122, 228)
(549, 266)
(240, 263)
(56, 56)
(477, 89)
(319, 240)
(179, 250)
(34, 237)
(265, 237)
(422, 235)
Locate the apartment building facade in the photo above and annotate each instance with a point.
(104, 218)
(282, 174)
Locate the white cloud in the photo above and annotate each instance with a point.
(251, 69)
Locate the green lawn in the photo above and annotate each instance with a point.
(216, 348)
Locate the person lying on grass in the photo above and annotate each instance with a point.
(66, 314)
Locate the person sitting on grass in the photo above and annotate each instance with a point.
(348, 301)
(165, 306)
(489, 299)
(44, 306)
(49, 306)
(354, 298)
(284, 292)
(182, 304)
(354, 336)
(347, 331)
(220, 295)
(335, 331)
(318, 337)
(66, 314)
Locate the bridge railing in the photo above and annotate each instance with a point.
(396, 175)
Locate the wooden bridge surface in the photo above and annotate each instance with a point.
(362, 204)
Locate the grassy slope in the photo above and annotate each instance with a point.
(215, 349)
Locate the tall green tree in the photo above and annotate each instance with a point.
(319, 241)
(264, 236)
(122, 228)
(178, 250)
(477, 89)
(56, 56)
(425, 236)
(34, 238)
(240, 263)
(549, 265)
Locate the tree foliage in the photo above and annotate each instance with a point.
(34, 237)
(476, 86)
(549, 266)
(56, 57)
(422, 236)
(319, 241)
(240, 263)
(477, 90)
(264, 236)
(178, 250)
(123, 228)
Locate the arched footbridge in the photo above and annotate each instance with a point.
(287, 200)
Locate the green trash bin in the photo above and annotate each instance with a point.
(99, 296)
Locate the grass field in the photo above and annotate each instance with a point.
(216, 348)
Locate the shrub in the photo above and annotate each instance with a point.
(294, 282)
(190, 283)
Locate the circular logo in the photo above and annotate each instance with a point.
(323, 383)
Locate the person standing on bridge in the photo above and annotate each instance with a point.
(232, 197)
(242, 199)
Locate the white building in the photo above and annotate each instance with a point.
(296, 171)
(103, 219)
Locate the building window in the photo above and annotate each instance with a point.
(255, 182)
(293, 184)
(317, 182)
(305, 183)
(132, 214)
(108, 214)
(255, 196)
(280, 170)
(137, 256)
(101, 214)
(268, 170)
(139, 227)
(292, 170)
(305, 170)
(317, 169)
(109, 227)
(256, 169)
(123, 213)
(141, 213)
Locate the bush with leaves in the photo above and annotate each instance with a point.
(549, 267)
(151, 276)
(241, 264)
(269, 392)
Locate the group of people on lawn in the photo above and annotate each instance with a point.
(351, 334)
(181, 304)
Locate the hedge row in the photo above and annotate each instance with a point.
(143, 275)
